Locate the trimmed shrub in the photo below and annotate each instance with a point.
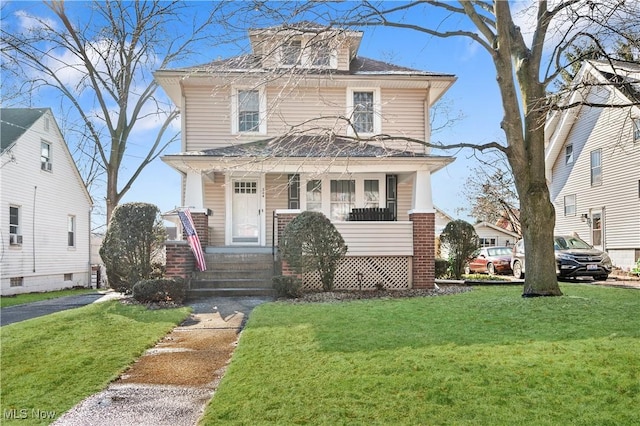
(461, 240)
(287, 286)
(442, 268)
(160, 290)
(310, 242)
(132, 245)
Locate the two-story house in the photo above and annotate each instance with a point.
(46, 209)
(304, 123)
(593, 160)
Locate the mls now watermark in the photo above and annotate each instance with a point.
(34, 413)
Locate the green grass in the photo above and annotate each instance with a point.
(53, 362)
(19, 299)
(484, 357)
(484, 277)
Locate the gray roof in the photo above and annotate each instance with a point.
(307, 146)
(15, 121)
(358, 66)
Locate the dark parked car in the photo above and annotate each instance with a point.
(491, 260)
(574, 258)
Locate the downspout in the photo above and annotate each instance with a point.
(33, 228)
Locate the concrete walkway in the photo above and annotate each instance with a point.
(172, 382)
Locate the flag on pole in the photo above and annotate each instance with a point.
(192, 238)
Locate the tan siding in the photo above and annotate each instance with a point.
(403, 115)
(214, 199)
(405, 195)
(377, 238)
(277, 198)
(207, 117)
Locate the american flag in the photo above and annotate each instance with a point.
(192, 237)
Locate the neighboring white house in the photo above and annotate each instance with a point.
(593, 160)
(46, 209)
(492, 235)
(274, 133)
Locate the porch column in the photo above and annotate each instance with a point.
(423, 217)
(194, 190)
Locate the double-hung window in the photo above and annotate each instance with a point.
(343, 199)
(45, 156)
(71, 231)
(14, 226)
(363, 108)
(570, 205)
(596, 167)
(249, 111)
(568, 154)
(314, 195)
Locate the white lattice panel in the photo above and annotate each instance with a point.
(390, 271)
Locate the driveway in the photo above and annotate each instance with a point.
(18, 313)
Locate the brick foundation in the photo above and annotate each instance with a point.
(424, 267)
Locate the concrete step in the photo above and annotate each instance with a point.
(263, 274)
(231, 283)
(229, 292)
(247, 258)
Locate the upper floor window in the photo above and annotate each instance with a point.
(291, 52)
(363, 107)
(596, 167)
(249, 111)
(71, 231)
(570, 205)
(636, 129)
(322, 54)
(568, 154)
(45, 156)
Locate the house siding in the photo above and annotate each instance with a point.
(277, 198)
(208, 114)
(214, 199)
(46, 199)
(617, 196)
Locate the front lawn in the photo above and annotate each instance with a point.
(19, 299)
(483, 357)
(51, 363)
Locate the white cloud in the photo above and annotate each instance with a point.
(31, 23)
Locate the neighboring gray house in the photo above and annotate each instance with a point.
(493, 235)
(593, 160)
(46, 209)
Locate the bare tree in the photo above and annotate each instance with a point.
(524, 69)
(98, 64)
(492, 193)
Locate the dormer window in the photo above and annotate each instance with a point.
(291, 53)
(321, 57)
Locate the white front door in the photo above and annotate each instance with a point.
(245, 211)
(597, 229)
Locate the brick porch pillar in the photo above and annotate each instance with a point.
(284, 218)
(180, 260)
(424, 267)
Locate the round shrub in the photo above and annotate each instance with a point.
(160, 290)
(310, 242)
(287, 286)
(442, 267)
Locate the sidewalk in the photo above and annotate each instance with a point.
(173, 381)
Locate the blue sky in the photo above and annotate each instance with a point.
(475, 95)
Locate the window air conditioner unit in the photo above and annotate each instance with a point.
(46, 166)
(15, 239)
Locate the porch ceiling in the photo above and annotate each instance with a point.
(306, 154)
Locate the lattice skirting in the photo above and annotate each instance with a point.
(393, 272)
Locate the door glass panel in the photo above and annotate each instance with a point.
(596, 229)
(246, 223)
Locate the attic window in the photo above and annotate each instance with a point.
(45, 156)
(568, 154)
(322, 55)
(291, 52)
(636, 129)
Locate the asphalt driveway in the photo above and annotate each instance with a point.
(18, 313)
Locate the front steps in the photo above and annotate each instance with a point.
(234, 272)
